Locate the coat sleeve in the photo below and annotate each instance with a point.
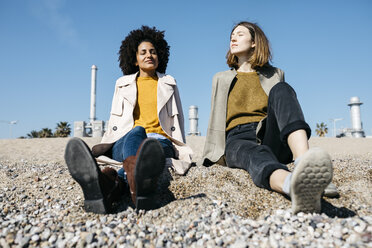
(180, 116)
(214, 129)
(183, 151)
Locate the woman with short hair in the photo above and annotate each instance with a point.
(256, 124)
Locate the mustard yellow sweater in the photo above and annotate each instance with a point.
(145, 113)
(247, 101)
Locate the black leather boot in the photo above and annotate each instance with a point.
(100, 189)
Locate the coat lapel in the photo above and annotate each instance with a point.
(165, 90)
(268, 78)
(128, 88)
(229, 77)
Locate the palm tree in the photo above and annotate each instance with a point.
(33, 134)
(46, 133)
(63, 129)
(321, 129)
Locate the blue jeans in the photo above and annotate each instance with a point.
(128, 145)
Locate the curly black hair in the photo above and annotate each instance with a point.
(129, 47)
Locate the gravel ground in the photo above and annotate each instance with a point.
(42, 206)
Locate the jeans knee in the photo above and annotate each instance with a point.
(139, 131)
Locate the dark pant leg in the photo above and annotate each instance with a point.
(284, 116)
(242, 151)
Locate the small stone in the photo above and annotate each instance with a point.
(360, 228)
(10, 238)
(89, 238)
(35, 237)
(239, 244)
(178, 239)
(190, 234)
(52, 239)
(141, 235)
(88, 223)
(138, 243)
(24, 241)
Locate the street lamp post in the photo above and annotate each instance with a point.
(10, 126)
(11, 123)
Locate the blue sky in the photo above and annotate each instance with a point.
(47, 48)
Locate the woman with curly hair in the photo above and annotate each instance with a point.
(256, 124)
(145, 130)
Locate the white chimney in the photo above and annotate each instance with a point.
(92, 116)
(356, 122)
(193, 118)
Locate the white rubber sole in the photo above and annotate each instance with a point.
(309, 179)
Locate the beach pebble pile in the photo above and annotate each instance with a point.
(42, 206)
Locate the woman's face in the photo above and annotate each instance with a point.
(241, 41)
(147, 58)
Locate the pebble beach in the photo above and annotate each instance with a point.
(42, 206)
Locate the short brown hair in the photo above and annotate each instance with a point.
(261, 55)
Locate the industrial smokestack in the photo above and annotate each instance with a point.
(95, 127)
(357, 130)
(92, 116)
(193, 118)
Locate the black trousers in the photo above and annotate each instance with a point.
(284, 116)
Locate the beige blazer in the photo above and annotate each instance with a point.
(214, 147)
(170, 115)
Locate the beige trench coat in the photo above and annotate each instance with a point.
(170, 115)
(214, 147)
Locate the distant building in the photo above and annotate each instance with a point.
(357, 127)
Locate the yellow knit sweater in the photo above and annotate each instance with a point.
(145, 113)
(247, 101)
